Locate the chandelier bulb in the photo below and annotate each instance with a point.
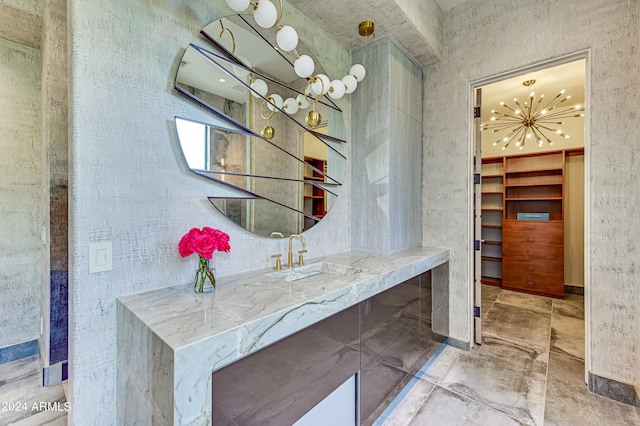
(291, 106)
(287, 38)
(238, 5)
(302, 101)
(350, 83)
(304, 66)
(337, 89)
(265, 13)
(276, 100)
(320, 84)
(260, 88)
(358, 71)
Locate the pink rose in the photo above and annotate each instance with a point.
(203, 242)
(185, 245)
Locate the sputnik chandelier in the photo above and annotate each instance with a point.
(267, 16)
(533, 120)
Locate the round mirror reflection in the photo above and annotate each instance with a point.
(280, 173)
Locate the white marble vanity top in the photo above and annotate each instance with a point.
(249, 311)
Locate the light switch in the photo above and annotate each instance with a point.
(100, 257)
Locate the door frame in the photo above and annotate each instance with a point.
(473, 85)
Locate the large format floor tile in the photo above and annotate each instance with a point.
(22, 384)
(569, 402)
(571, 306)
(567, 335)
(518, 324)
(489, 295)
(507, 377)
(528, 301)
(444, 408)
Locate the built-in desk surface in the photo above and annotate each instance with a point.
(171, 339)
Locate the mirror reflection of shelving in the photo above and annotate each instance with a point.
(315, 154)
(492, 213)
(315, 202)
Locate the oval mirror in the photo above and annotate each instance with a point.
(282, 174)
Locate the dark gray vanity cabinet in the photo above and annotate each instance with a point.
(384, 340)
(279, 384)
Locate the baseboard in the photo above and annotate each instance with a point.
(55, 374)
(458, 344)
(19, 351)
(574, 289)
(615, 390)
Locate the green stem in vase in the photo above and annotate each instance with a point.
(203, 274)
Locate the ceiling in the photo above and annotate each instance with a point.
(446, 5)
(341, 19)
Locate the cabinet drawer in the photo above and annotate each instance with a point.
(534, 284)
(533, 231)
(529, 251)
(542, 268)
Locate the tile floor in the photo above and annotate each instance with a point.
(528, 371)
(23, 399)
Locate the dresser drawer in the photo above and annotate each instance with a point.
(526, 251)
(532, 231)
(552, 269)
(534, 284)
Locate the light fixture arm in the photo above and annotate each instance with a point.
(233, 39)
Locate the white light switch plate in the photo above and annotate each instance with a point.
(100, 257)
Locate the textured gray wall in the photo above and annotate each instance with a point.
(20, 193)
(128, 183)
(484, 38)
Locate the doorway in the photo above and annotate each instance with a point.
(555, 194)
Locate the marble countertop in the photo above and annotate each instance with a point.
(171, 339)
(250, 310)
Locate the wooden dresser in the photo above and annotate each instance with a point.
(533, 256)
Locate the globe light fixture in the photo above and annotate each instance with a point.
(259, 87)
(287, 38)
(265, 13)
(304, 66)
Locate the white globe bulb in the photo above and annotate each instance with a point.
(291, 106)
(241, 72)
(358, 72)
(238, 5)
(303, 103)
(304, 66)
(336, 89)
(266, 14)
(276, 100)
(321, 84)
(287, 38)
(350, 83)
(260, 87)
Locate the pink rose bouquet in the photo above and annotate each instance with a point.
(203, 242)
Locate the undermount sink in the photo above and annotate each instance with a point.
(313, 269)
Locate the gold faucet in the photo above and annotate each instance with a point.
(290, 256)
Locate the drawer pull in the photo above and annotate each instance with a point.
(531, 228)
(531, 268)
(530, 282)
(531, 239)
(531, 253)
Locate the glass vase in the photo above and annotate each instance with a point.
(205, 280)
